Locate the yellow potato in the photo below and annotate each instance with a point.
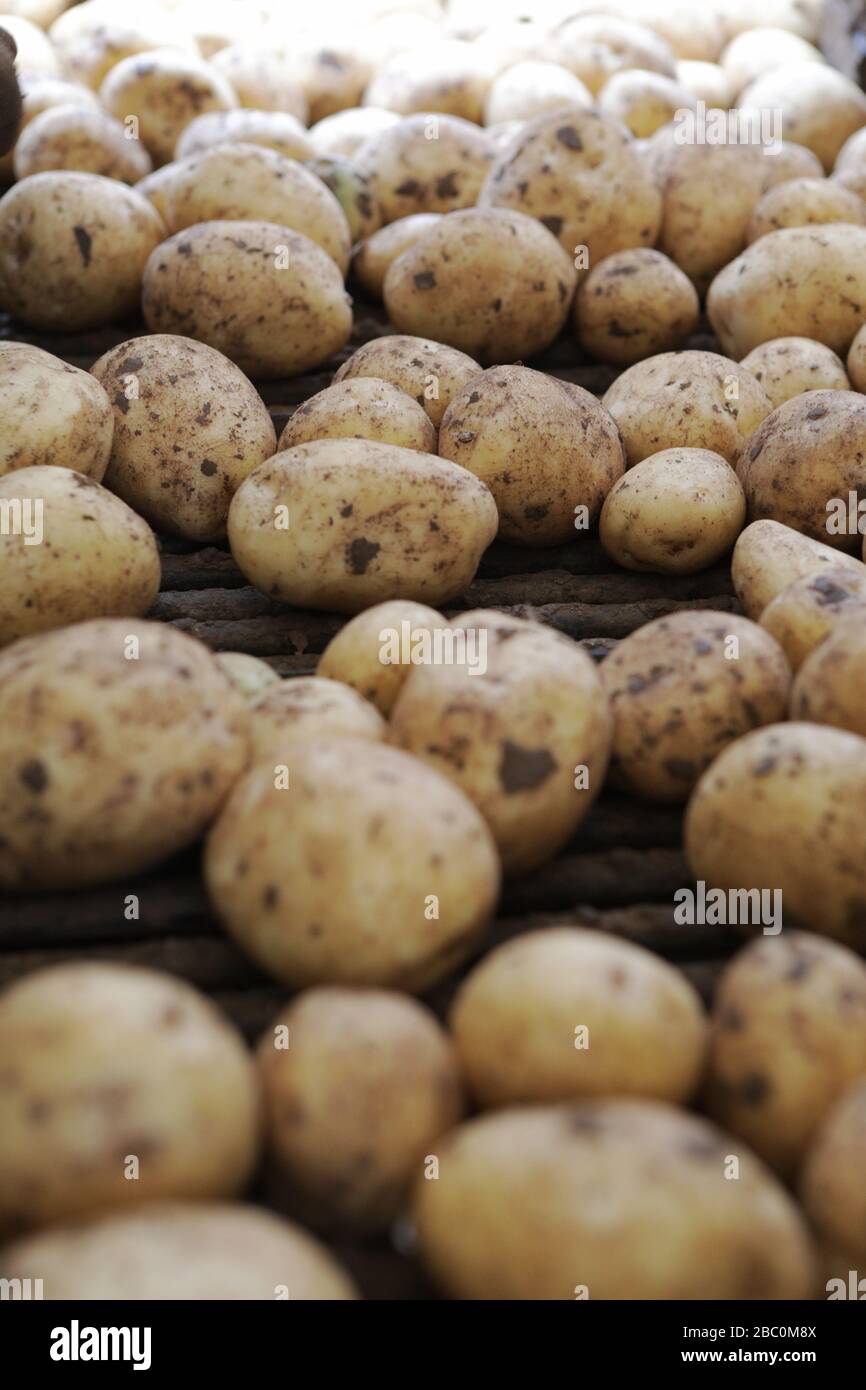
(345, 131)
(119, 741)
(188, 428)
(710, 194)
(274, 130)
(90, 39)
(769, 556)
(73, 248)
(635, 304)
(432, 373)
(788, 1038)
(248, 674)
(708, 82)
(529, 88)
(261, 79)
(73, 136)
(814, 104)
(757, 51)
(315, 526)
(786, 367)
(353, 190)
(805, 203)
(675, 512)
(52, 413)
(164, 89)
(546, 449)
(446, 76)
(118, 1066)
(780, 810)
(361, 408)
(39, 93)
(829, 685)
(644, 101)
(374, 257)
(595, 46)
(367, 869)
(811, 608)
(375, 651)
(856, 363)
(70, 550)
(426, 164)
(332, 77)
(519, 720)
(157, 186)
(267, 297)
(307, 707)
(830, 1185)
(566, 1014)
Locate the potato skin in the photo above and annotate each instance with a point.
(248, 674)
(344, 132)
(856, 363)
(96, 558)
(270, 321)
(544, 448)
(788, 1037)
(817, 106)
(308, 707)
(165, 89)
(769, 556)
(361, 408)
(805, 454)
(696, 400)
(412, 172)
(675, 512)
(805, 281)
(73, 136)
(805, 203)
(526, 89)
(514, 735)
(780, 809)
(54, 227)
(188, 428)
(328, 884)
(365, 1072)
(53, 413)
(374, 257)
(635, 304)
(488, 281)
(355, 655)
(353, 190)
(432, 373)
(810, 609)
(577, 172)
(710, 193)
(830, 1185)
(596, 46)
(829, 685)
(115, 1060)
(275, 130)
(109, 764)
(678, 698)
(367, 522)
(644, 101)
(514, 1213)
(197, 1251)
(515, 1017)
(786, 367)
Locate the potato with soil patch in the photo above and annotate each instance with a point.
(769, 556)
(53, 413)
(306, 707)
(635, 304)
(431, 373)
(374, 257)
(80, 137)
(811, 608)
(787, 367)
(353, 190)
(829, 685)
(274, 130)
(361, 408)
(805, 203)
(248, 674)
(426, 163)
(164, 90)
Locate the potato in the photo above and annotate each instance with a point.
(261, 79)
(856, 363)
(197, 1251)
(362, 1072)
(830, 1186)
(247, 183)
(309, 707)
(375, 256)
(165, 90)
(578, 173)
(332, 77)
(567, 1014)
(786, 367)
(780, 809)
(811, 608)
(546, 449)
(91, 39)
(78, 137)
(274, 130)
(276, 309)
(490, 282)
(692, 32)
(188, 428)
(376, 650)
(676, 512)
(797, 16)
(806, 454)
(432, 373)
(157, 186)
(368, 869)
(829, 685)
(618, 1199)
(769, 556)
(708, 82)
(35, 52)
(426, 164)
(814, 104)
(354, 192)
(692, 400)
(447, 76)
(116, 1065)
(361, 408)
(788, 1037)
(635, 304)
(758, 51)
(644, 101)
(119, 742)
(342, 524)
(73, 249)
(801, 281)
(345, 131)
(595, 46)
(805, 203)
(70, 550)
(38, 94)
(52, 413)
(248, 674)
(790, 161)
(529, 88)
(852, 153)
(521, 724)
(683, 687)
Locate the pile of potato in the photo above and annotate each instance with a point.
(514, 191)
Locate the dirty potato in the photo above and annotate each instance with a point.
(431, 373)
(856, 363)
(829, 685)
(83, 138)
(164, 89)
(812, 607)
(248, 674)
(805, 203)
(635, 304)
(813, 103)
(53, 413)
(786, 367)
(344, 132)
(644, 101)
(769, 556)
(307, 707)
(361, 408)
(374, 257)
(830, 1186)
(274, 130)
(595, 46)
(261, 79)
(353, 190)
(525, 90)
(426, 164)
